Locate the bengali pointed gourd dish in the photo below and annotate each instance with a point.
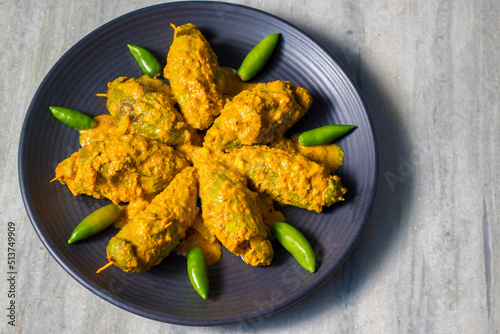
(199, 159)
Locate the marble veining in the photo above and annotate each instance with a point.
(428, 261)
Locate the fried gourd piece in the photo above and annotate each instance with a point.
(230, 212)
(290, 179)
(121, 168)
(148, 105)
(194, 73)
(153, 233)
(259, 115)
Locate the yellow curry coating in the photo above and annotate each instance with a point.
(131, 209)
(198, 235)
(121, 168)
(147, 104)
(270, 215)
(194, 73)
(230, 212)
(259, 115)
(329, 155)
(231, 84)
(290, 179)
(155, 232)
(106, 126)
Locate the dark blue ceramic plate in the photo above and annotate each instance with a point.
(239, 292)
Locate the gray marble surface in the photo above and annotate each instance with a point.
(428, 261)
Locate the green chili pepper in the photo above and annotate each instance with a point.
(73, 118)
(324, 134)
(295, 242)
(198, 271)
(257, 57)
(146, 60)
(95, 222)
